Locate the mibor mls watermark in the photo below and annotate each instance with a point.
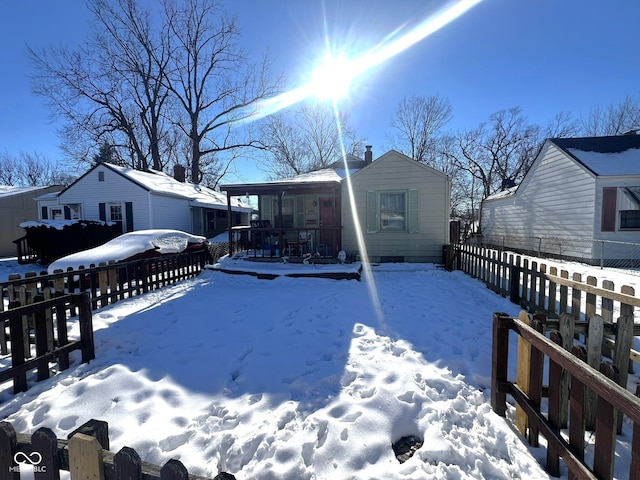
(33, 460)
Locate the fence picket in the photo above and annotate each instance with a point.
(624, 343)
(564, 293)
(590, 302)
(576, 408)
(567, 331)
(85, 458)
(8, 445)
(635, 447)
(45, 442)
(536, 374)
(594, 356)
(576, 297)
(605, 430)
(555, 375)
(127, 464)
(553, 305)
(174, 470)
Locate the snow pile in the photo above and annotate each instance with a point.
(128, 245)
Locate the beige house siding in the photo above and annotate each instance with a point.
(15, 209)
(396, 172)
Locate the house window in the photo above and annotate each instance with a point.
(101, 176)
(57, 213)
(629, 219)
(115, 212)
(75, 211)
(629, 204)
(393, 212)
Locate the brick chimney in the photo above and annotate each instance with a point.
(368, 155)
(179, 173)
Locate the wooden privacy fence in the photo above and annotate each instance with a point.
(105, 284)
(567, 370)
(543, 289)
(38, 336)
(84, 454)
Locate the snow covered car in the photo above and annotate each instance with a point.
(131, 246)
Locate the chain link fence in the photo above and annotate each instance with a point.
(603, 253)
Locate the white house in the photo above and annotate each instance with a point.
(578, 193)
(140, 200)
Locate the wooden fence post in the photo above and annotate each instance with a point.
(499, 362)
(536, 372)
(17, 333)
(86, 328)
(85, 458)
(605, 430)
(523, 374)
(98, 429)
(8, 446)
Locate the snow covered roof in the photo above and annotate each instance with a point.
(9, 191)
(162, 184)
(507, 192)
(604, 156)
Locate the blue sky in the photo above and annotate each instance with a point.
(545, 56)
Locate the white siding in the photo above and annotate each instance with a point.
(90, 192)
(167, 212)
(555, 200)
(394, 171)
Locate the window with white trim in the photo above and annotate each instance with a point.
(392, 211)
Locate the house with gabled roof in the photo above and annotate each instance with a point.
(391, 209)
(17, 205)
(141, 200)
(578, 194)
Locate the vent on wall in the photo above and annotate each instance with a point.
(101, 176)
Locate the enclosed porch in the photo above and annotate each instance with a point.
(294, 220)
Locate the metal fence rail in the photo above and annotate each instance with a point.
(603, 253)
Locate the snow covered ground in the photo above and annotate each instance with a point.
(296, 378)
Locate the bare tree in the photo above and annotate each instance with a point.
(496, 152)
(615, 119)
(31, 170)
(307, 139)
(212, 80)
(418, 121)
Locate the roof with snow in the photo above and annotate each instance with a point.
(162, 184)
(604, 156)
(330, 175)
(9, 191)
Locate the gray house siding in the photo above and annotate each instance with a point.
(423, 237)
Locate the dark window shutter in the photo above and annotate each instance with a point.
(102, 207)
(44, 213)
(129, 215)
(67, 213)
(609, 196)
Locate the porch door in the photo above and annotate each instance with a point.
(329, 218)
